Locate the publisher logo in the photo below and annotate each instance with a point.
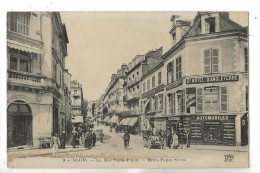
(229, 158)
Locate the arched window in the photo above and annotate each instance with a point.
(19, 107)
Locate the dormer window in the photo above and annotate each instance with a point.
(210, 25)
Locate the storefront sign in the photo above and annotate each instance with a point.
(212, 123)
(213, 79)
(213, 117)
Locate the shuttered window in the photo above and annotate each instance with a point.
(211, 61)
(223, 98)
(178, 68)
(199, 100)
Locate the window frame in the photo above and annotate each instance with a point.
(18, 56)
(178, 65)
(153, 81)
(210, 49)
(19, 26)
(159, 78)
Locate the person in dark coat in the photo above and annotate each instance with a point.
(87, 140)
(101, 136)
(63, 140)
(169, 140)
(94, 139)
(126, 139)
(74, 140)
(188, 139)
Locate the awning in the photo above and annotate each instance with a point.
(24, 47)
(114, 119)
(125, 121)
(77, 119)
(106, 119)
(132, 121)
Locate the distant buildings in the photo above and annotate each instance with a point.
(199, 86)
(77, 102)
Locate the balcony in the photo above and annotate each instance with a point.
(25, 79)
(132, 97)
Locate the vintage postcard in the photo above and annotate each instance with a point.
(127, 89)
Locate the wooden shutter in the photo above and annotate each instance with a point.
(223, 99)
(199, 100)
(215, 55)
(207, 61)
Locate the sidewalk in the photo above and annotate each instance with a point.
(41, 151)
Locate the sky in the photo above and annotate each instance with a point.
(99, 42)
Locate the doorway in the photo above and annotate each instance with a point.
(19, 124)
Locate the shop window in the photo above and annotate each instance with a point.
(153, 81)
(212, 133)
(170, 72)
(246, 59)
(178, 68)
(159, 78)
(148, 84)
(143, 87)
(20, 22)
(199, 101)
(211, 96)
(223, 98)
(211, 58)
(20, 61)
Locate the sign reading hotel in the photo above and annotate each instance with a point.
(213, 79)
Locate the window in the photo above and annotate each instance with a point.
(141, 107)
(170, 102)
(173, 102)
(160, 102)
(170, 72)
(211, 58)
(174, 38)
(159, 78)
(209, 25)
(153, 81)
(246, 59)
(180, 95)
(20, 22)
(223, 91)
(178, 68)
(211, 96)
(137, 74)
(247, 103)
(20, 61)
(143, 87)
(137, 87)
(148, 84)
(156, 103)
(199, 100)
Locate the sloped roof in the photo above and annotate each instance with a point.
(225, 25)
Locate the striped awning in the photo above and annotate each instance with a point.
(132, 121)
(24, 47)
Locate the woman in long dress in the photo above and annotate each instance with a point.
(175, 141)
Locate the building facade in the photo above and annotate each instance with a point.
(36, 51)
(204, 82)
(77, 102)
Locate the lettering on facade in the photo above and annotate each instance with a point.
(213, 117)
(213, 79)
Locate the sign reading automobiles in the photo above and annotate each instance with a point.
(212, 79)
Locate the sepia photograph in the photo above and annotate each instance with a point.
(161, 89)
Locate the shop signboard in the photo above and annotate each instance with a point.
(212, 79)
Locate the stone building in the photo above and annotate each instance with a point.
(205, 78)
(139, 66)
(36, 51)
(77, 102)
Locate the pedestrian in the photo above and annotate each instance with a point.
(126, 139)
(175, 141)
(55, 144)
(163, 138)
(87, 140)
(169, 140)
(101, 135)
(63, 140)
(188, 140)
(94, 139)
(110, 127)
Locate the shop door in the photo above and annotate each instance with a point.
(244, 130)
(55, 125)
(19, 124)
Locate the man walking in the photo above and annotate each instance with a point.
(94, 138)
(55, 144)
(126, 139)
(63, 140)
(101, 135)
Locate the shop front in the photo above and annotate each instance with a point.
(213, 129)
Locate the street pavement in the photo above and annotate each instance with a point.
(113, 148)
